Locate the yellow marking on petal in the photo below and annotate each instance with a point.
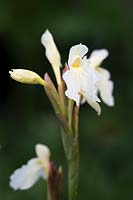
(76, 63)
(39, 162)
(97, 68)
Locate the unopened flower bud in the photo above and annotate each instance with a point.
(26, 76)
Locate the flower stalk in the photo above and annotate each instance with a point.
(71, 148)
(73, 171)
(69, 133)
(72, 157)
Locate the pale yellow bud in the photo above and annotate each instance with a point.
(26, 76)
(52, 54)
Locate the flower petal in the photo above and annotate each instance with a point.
(106, 89)
(94, 105)
(26, 176)
(89, 83)
(76, 51)
(52, 53)
(81, 81)
(43, 154)
(72, 80)
(105, 86)
(103, 73)
(97, 57)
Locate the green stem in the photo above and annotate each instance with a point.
(70, 111)
(71, 149)
(73, 172)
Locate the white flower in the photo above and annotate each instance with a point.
(26, 176)
(52, 53)
(105, 86)
(80, 78)
(26, 76)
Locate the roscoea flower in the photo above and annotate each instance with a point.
(105, 85)
(80, 78)
(26, 176)
(52, 54)
(26, 76)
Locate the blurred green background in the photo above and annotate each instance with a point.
(26, 117)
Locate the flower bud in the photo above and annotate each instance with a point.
(26, 76)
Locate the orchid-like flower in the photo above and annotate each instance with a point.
(105, 86)
(85, 78)
(52, 54)
(26, 176)
(81, 79)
